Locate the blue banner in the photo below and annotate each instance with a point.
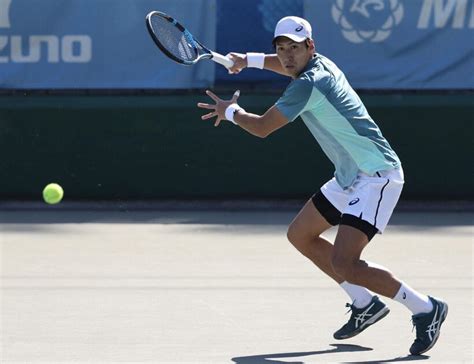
(89, 44)
(398, 44)
(379, 44)
(93, 44)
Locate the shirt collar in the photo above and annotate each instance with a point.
(312, 62)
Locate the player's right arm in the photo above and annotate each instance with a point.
(258, 125)
(272, 63)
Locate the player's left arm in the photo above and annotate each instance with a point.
(258, 125)
(261, 125)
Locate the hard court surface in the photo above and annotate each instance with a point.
(194, 286)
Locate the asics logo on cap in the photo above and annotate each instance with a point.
(299, 29)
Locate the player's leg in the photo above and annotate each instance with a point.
(317, 216)
(346, 262)
(305, 232)
(350, 241)
(372, 201)
(357, 228)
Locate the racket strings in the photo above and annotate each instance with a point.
(179, 44)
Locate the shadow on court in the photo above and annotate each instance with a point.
(338, 348)
(398, 359)
(271, 358)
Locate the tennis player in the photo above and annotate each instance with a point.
(361, 197)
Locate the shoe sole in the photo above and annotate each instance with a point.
(444, 313)
(377, 317)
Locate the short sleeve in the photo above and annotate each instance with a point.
(295, 98)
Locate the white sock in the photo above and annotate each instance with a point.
(359, 295)
(414, 301)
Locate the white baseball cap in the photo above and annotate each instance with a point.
(295, 28)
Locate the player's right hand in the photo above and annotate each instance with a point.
(240, 62)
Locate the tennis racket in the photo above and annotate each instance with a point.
(178, 43)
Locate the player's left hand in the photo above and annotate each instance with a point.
(218, 110)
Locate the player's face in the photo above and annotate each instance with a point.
(294, 56)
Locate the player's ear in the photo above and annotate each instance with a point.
(310, 44)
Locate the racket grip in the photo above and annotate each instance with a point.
(223, 60)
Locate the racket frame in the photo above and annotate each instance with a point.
(193, 42)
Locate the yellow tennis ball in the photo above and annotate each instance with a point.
(53, 193)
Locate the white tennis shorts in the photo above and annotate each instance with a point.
(371, 199)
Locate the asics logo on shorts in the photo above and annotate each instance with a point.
(354, 201)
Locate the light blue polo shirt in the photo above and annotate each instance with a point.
(338, 120)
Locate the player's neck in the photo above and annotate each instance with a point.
(297, 74)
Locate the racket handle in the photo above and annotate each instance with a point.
(223, 60)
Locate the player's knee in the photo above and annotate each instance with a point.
(298, 238)
(344, 269)
(297, 235)
(291, 234)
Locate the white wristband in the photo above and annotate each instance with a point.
(256, 60)
(230, 112)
